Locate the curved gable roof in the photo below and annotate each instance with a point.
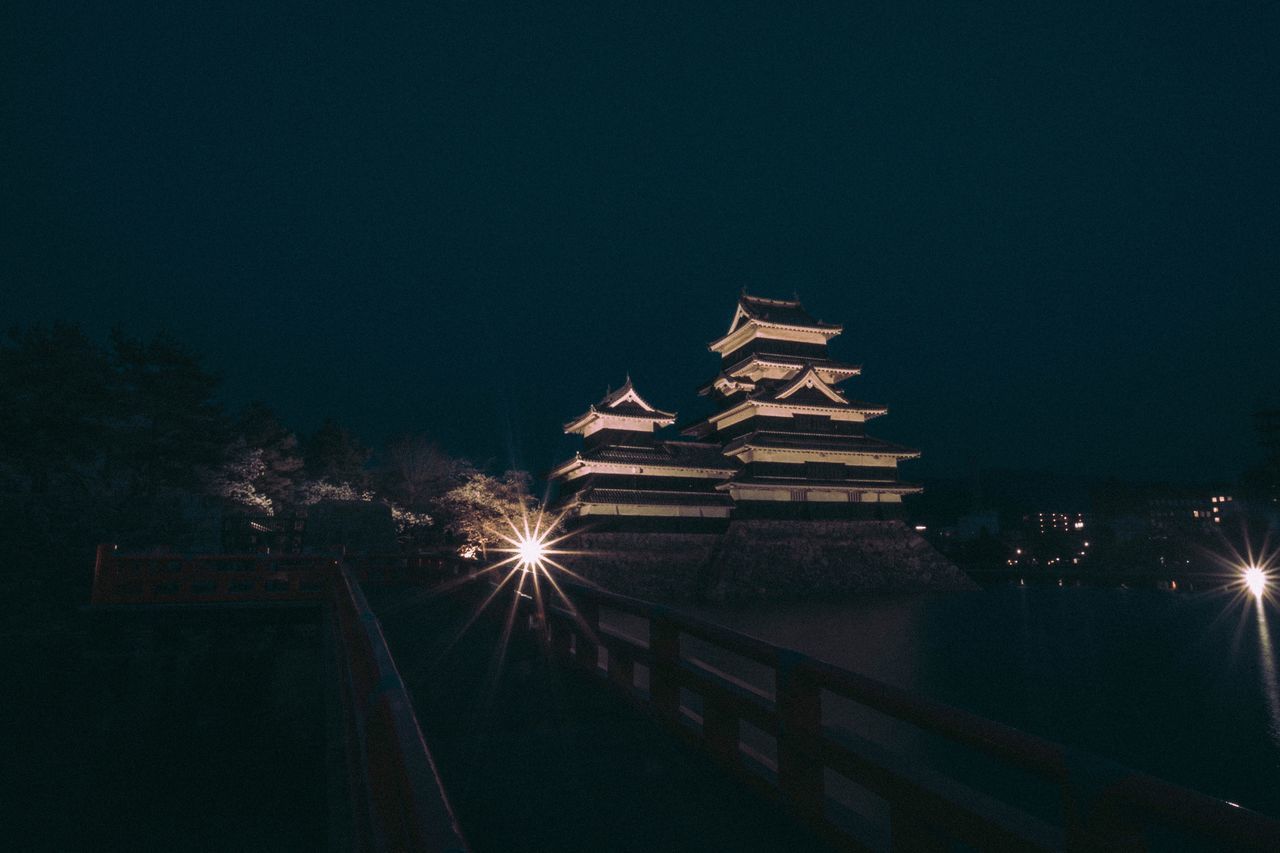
(782, 312)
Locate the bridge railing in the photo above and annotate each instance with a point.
(131, 578)
(674, 670)
(407, 569)
(205, 579)
(398, 800)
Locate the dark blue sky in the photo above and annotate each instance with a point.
(1050, 229)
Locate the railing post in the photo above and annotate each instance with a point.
(622, 669)
(101, 572)
(909, 830)
(799, 706)
(561, 639)
(588, 651)
(186, 576)
(1111, 824)
(720, 731)
(664, 686)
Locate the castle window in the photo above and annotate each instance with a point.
(813, 423)
(824, 471)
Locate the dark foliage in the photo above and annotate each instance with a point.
(333, 453)
(126, 442)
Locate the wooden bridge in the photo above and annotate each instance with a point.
(628, 725)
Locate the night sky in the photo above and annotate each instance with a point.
(1050, 230)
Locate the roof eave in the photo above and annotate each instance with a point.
(828, 329)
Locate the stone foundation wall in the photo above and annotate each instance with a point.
(788, 559)
(653, 566)
(765, 560)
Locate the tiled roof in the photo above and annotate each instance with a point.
(633, 410)
(636, 496)
(787, 312)
(802, 361)
(613, 404)
(630, 407)
(819, 441)
(792, 482)
(667, 453)
(807, 397)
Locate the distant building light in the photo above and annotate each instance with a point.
(921, 527)
(1079, 525)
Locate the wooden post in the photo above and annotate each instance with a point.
(664, 684)
(909, 832)
(720, 731)
(622, 669)
(100, 573)
(588, 655)
(1111, 825)
(561, 639)
(799, 706)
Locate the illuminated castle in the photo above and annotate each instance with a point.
(798, 439)
(784, 441)
(624, 469)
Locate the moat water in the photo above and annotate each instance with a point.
(1183, 686)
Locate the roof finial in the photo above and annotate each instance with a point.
(628, 382)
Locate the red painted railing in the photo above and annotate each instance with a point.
(407, 569)
(206, 579)
(797, 745)
(397, 799)
(228, 578)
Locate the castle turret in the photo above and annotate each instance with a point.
(626, 471)
(800, 440)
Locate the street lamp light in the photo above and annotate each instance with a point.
(1256, 580)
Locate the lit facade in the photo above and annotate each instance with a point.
(1170, 515)
(784, 440)
(800, 442)
(626, 471)
(1061, 522)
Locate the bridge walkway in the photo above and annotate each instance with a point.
(543, 760)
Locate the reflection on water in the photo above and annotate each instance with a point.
(1165, 682)
(1267, 669)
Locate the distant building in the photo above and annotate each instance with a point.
(246, 533)
(1166, 516)
(1059, 522)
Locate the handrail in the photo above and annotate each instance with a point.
(400, 801)
(1101, 815)
(151, 579)
(208, 579)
